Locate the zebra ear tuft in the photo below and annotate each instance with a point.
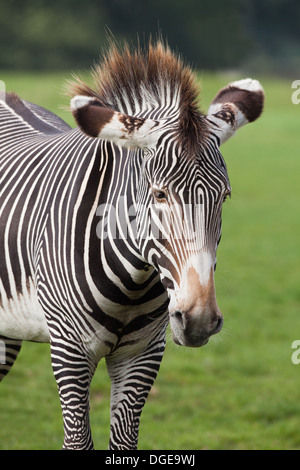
(235, 105)
(97, 120)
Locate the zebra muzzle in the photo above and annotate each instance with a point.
(195, 315)
(194, 329)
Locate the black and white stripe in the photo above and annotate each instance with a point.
(108, 233)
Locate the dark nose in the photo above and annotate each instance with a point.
(195, 315)
(194, 328)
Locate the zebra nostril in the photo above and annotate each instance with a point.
(180, 318)
(218, 326)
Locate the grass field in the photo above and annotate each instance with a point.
(241, 391)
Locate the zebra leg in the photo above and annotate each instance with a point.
(131, 381)
(73, 371)
(9, 350)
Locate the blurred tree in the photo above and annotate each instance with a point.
(274, 28)
(207, 32)
(38, 34)
(49, 35)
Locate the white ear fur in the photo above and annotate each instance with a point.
(79, 102)
(97, 120)
(237, 104)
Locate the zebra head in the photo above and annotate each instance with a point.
(182, 180)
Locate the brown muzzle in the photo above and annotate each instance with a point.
(195, 316)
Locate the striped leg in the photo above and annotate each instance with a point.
(73, 373)
(131, 381)
(9, 350)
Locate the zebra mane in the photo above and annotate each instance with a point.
(150, 83)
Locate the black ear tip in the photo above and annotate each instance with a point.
(90, 114)
(247, 95)
(250, 97)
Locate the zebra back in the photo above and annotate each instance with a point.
(30, 114)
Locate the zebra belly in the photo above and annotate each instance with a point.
(22, 317)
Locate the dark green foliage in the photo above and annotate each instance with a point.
(212, 34)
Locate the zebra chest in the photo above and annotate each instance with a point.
(22, 317)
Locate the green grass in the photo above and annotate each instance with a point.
(241, 391)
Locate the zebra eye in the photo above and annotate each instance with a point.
(160, 195)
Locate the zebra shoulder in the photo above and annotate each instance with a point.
(35, 116)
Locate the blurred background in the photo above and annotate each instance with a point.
(212, 34)
(241, 391)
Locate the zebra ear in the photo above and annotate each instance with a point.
(97, 120)
(234, 106)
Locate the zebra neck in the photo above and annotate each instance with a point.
(113, 244)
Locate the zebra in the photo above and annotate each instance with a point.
(109, 230)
